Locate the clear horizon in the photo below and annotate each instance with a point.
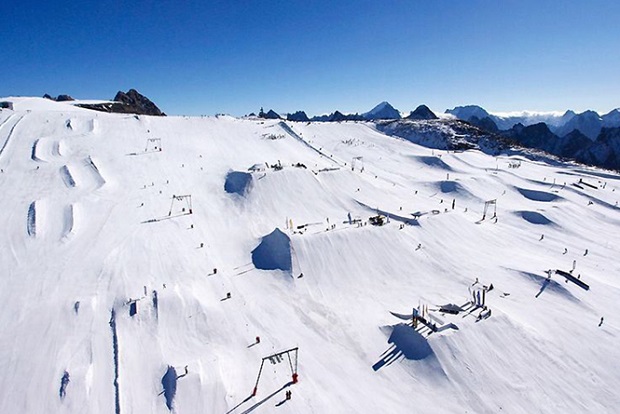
(220, 57)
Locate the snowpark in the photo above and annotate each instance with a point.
(215, 264)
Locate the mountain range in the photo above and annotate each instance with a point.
(586, 137)
(589, 123)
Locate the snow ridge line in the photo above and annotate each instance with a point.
(117, 399)
(32, 220)
(8, 138)
(293, 134)
(69, 221)
(66, 176)
(33, 154)
(98, 177)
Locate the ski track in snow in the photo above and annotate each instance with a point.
(102, 302)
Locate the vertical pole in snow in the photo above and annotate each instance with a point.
(258, 378)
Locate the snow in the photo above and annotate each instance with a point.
(85, 220)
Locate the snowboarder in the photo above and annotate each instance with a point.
(258, 339)
(542, 236)
(300, 276)
(586, 252)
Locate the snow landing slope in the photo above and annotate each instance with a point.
(115, 289)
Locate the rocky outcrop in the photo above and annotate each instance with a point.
(59, 98)
(446, 134)
(485, 123)
(337, 116)
(605, 151)
(136, 103)
(271, 114)
(534, 136)
(131, 102)
(299, 116)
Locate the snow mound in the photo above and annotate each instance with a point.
(536, 195)
(406, 343)
(273, 252)
(410, 342)
(238, 182)
(549, 285)
(534, 217)
(434, 162)
(450, 187)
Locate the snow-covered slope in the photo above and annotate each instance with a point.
(120, 294)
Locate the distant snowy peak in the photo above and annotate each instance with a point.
(465, 113)
(382, 111)
(422, 112)
(612, 119)
(588, 123)
(505, 120)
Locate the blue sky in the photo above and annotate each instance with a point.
(202, 57)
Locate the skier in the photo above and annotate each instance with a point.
(601, 322)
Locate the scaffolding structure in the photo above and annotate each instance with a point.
(487, 204)
(185, 201)
(278, 357)
(357, 161)
(152, 145)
